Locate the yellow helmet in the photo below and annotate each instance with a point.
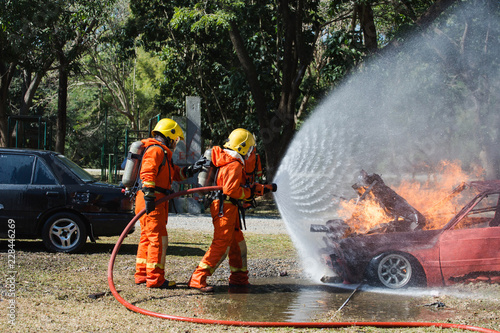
(240, 140)
(170, 129)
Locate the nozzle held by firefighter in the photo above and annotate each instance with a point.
(261, 189)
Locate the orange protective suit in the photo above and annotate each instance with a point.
(150, 261)
(253, 168)
(228, 238)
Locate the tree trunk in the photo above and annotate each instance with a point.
(250, 72)
(276, 131)
(62, 95)
(29, 93)
(269, 129)
(4, 133)
(368, 26)
(433, 12)
(5, 80)
(277, 128)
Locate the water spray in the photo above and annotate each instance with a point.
(399, 116)
(253, 323)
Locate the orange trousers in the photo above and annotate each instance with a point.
(152, 249)
(228, 241)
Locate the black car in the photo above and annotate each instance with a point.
(45, 195)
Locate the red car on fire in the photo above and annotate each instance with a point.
(413, 250)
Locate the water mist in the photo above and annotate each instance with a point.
(413, 107)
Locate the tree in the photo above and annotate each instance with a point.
(277, 53)
(279, 48)
(257, 64)
(24, 49)
(469, 34)
(127, 82)
(55, 33)
(74, 33)
(474, 40)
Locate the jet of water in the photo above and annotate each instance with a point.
(397, 111)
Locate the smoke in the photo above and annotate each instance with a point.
(400, 115)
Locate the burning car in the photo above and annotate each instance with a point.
(437, 247)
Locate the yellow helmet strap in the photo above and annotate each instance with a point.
(249, 152)
(172, 144)
(160, 137)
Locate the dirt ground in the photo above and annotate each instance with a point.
(70, 293)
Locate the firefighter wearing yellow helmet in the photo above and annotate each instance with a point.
(170, 130)
(157, 173)
(241, 141)
(228, 237)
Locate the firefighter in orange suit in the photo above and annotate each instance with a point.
(228, 238)
(156, 174)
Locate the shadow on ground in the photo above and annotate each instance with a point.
(175, 249)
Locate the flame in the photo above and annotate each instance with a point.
(436, 198)
(364, 215)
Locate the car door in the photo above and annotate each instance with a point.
(15, 176)
(43, 194)
(472, 245)
(27, 189)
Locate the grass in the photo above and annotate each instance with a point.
(69, 293)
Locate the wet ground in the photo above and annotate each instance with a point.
(292, 300)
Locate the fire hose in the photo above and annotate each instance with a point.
(255, 323)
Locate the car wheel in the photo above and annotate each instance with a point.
(64, 232)
(395, 271)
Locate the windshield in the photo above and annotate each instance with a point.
(77, 170)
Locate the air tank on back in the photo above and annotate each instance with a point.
(206, 177)
(133, 164)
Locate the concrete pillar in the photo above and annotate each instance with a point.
(189, 150)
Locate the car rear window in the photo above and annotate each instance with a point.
(76, 169)
(16, 169)
(42, 175)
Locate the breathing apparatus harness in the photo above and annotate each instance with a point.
(208, 177)
(211, 172)
(135, 171)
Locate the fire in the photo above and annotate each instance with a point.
(363, 215)
(435, 198)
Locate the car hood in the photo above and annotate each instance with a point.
(373, 244)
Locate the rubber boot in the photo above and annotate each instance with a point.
(239, 278)
(198, 280)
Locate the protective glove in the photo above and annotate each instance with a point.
(149, 199)
(193, 169)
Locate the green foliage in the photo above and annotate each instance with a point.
(86, 124)
(25, 33)
(199, 58)
(201, 22)
(153, 56)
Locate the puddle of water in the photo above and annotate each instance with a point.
(291, 300)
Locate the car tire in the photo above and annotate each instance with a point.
(395, 271)
(64, 232)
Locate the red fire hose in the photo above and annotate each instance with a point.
(256, 323)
